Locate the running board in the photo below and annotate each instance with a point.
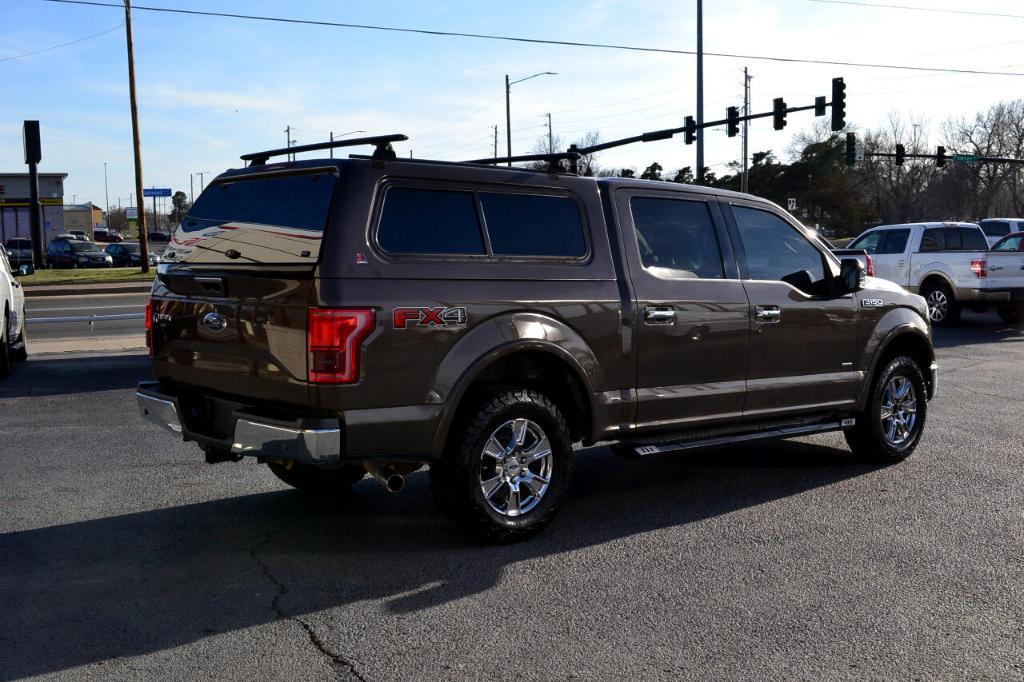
(640, 450)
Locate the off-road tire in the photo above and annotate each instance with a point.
(1011, 314)
(867, 439)
(950, 315)
(318, 481)
(456, 479)
(5, 347)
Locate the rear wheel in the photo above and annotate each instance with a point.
(891, 424)
(320, 481)
(509, 468)
(1011, 314)
(943, 308)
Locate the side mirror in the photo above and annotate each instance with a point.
(26, 270)
(851, 276)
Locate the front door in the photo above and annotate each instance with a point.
(803, 339)
(692, 314)
(890, 256)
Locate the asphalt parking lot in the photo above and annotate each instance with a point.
(123, 555)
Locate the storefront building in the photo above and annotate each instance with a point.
(14, 205)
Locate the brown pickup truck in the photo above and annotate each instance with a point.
(374, 314)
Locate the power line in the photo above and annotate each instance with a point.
(55, 47)
(539, 41)
(939, 10)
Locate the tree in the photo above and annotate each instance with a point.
(180, 207)
(684, 175)
(652, 172)
(587, 164)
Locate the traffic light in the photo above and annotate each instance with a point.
(820, 105)
(940, 156)
(851, 149)
(732, 121)
(838, 104)
(901, 153)
(690, 131)
(779, 113)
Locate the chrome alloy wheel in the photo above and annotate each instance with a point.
(516, 467)
(899, 410)
(938, 305)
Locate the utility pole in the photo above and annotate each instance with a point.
(33, 155)
(508, 120)
(136, 141)
(700, 92)
(332, 142)
(495, 142)
(745, 180)
(191, 188)
(551, 137)
(288, 135)
(106, 190)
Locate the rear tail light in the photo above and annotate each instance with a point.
(149, 326)
(335, 338)
(870, 269)
(979, 266)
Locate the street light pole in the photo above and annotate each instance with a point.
(106, 189)
(351, 132)
(136, 141)
(700, 91)
(508, 108)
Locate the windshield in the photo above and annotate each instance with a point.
(130, 248)
(83, 247)
(19, 244)
(266, 218)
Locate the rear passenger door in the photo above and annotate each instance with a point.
(890, 257)
(803, 340)
(692, 314)
(1006, 264)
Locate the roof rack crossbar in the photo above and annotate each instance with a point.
(381, 142)
(553, 158)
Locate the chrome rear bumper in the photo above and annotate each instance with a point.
(316, 441)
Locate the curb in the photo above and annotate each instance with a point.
(86, 289)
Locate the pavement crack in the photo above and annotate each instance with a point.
(339, 661)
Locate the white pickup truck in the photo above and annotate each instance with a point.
(12, 316)
(949, 264)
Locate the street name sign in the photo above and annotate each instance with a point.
(157, 192)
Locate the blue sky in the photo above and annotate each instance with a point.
(214, 88)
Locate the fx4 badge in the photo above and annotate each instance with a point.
(429, 318)
(872, 302)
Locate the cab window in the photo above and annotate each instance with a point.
(775, 250)
(676, 238)
(868, 242)
(1009, 244)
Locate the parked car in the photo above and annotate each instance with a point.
(65, 236)
(997, 228)
(79, 234)
(13, 338)
(19, 251)
(72, 253)
(481, 319)
(947, 263)
(161, 237)
(127, 254)
(104, 235)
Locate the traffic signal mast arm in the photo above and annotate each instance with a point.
(692, 127)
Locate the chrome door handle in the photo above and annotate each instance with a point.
(767, 314)
(654, 315)
(995, 268)
(902, 263)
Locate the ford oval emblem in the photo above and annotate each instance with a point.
(215, 322)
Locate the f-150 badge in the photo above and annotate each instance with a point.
(429, 318)
(872, 302)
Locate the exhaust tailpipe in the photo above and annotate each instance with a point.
(392, 481)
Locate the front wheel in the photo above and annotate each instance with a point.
(5, 348)
(891, 424)
(21, 354)
(509, 468)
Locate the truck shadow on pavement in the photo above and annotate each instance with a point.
(138, 583)
(976, 328)
(55, 375)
